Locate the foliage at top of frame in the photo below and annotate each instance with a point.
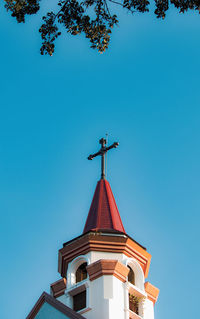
(93, 18)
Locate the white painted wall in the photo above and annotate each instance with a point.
(107, 298)
(66, 300)
(97, 255)
(148, 309)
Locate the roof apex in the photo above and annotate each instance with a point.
(103, 213)
(45, 297)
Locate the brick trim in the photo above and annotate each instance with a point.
(58, 288)
(104, 267)
(152, 292)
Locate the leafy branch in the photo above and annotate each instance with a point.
(92, 18)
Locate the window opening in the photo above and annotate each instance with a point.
(131, 276)
(79, 301)
(81, 272)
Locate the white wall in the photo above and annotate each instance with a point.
(107, 298)
(148, 310)
(96, 255)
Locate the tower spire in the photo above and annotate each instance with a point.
(103, 150)
(103, 213)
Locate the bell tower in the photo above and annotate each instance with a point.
(104, 271)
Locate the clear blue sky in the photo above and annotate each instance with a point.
(144, 92)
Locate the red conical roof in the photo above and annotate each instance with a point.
(103, 213)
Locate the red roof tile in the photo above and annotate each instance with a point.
(103, 213)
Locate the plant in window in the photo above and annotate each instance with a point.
(134, 304)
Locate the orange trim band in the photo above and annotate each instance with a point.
(104, 267)
(152, 292)
(58, 288)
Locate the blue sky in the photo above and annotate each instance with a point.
(143, 92)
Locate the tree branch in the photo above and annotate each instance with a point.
(116, 2)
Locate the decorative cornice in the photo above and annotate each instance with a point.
(97, 241)
(152, 292)
(110, 267)
(58, 288)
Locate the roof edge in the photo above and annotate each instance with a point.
(104, 231)
(45, 297)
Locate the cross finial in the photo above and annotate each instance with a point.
(102, 153)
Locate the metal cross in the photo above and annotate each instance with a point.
(102, 153)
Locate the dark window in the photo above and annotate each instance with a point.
(133, 304)
(131, 276)
(81, 272)
(79, 301)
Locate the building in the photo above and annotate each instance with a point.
(103, 271)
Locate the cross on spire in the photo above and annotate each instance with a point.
(102, 153)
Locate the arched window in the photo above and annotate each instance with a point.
(131, 276)
(81, 272)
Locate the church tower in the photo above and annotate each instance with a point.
(103, 271)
